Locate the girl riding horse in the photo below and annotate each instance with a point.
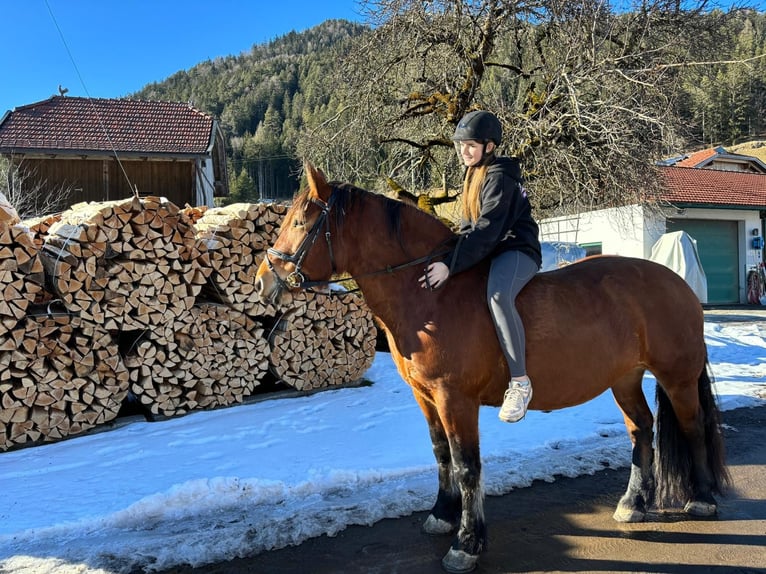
(591, 326)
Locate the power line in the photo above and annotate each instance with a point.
(87, 93)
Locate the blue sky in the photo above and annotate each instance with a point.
(112, 48)
(117, 47)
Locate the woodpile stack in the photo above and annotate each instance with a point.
(128, 265)
(216, 357)
(59, 376)
(21, 275)
(322, 341)
(39, 226)
(150, 303)
(237, 237)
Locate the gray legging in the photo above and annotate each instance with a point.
(508, 274)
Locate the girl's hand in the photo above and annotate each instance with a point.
(435, 276)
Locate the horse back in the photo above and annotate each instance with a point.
(619, 286)
(606, 318)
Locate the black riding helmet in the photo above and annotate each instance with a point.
(480, 126)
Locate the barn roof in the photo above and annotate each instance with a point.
(685, 185)
(71, 124)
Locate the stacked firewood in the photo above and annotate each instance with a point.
(128, 265)
(59, 376)
(21, 275)
(321, 341)
(39, 226)
(216, 357)
(236, 237)
(150, 303)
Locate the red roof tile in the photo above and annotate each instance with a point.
(714, 187)
(82, 124)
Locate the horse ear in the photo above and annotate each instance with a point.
(317, 181)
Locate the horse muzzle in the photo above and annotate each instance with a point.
(268, 286)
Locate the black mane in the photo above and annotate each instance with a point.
(350, 195)
(347, 196)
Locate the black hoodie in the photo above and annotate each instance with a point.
(505, 220)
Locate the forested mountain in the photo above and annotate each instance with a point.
(725, 101)
(270, 98)
(264, 98)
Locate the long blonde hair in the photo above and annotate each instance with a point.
(474, 179)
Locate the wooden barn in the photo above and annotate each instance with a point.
(106, 149)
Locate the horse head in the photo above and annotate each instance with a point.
(303, 249)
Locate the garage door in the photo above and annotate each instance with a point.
(718, 249)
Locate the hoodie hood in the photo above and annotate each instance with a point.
(507, 165)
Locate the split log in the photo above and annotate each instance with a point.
(39, 227)
(216, 357)
(59, 376)
(21, 275)
(194, 213)
(322, 341)
(226, 353)
(237, 237)
(131, 265)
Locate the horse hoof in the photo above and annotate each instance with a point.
(626, 514)
(700, 508)
(436, 526)
(458, 562)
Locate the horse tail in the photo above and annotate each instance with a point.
(674, 455)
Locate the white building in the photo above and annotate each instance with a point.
(718, 198)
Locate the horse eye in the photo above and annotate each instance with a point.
(298, 223)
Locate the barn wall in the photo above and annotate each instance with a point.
(74, 181)
(171, 179)
(104, 180)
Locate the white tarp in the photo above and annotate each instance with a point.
(678, 251)
(559, 253)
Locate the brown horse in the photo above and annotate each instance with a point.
(594, 325)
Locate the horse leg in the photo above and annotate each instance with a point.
(445, 513)
(462, 427)
(690, 446)
(639, 421)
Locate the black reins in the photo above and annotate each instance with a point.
(298, 280)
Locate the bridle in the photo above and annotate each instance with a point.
(296, 279)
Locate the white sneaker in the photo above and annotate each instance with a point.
(515, 401)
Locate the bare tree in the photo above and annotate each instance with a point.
(586, 93)
(30, 200)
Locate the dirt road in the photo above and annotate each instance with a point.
(565, 526)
